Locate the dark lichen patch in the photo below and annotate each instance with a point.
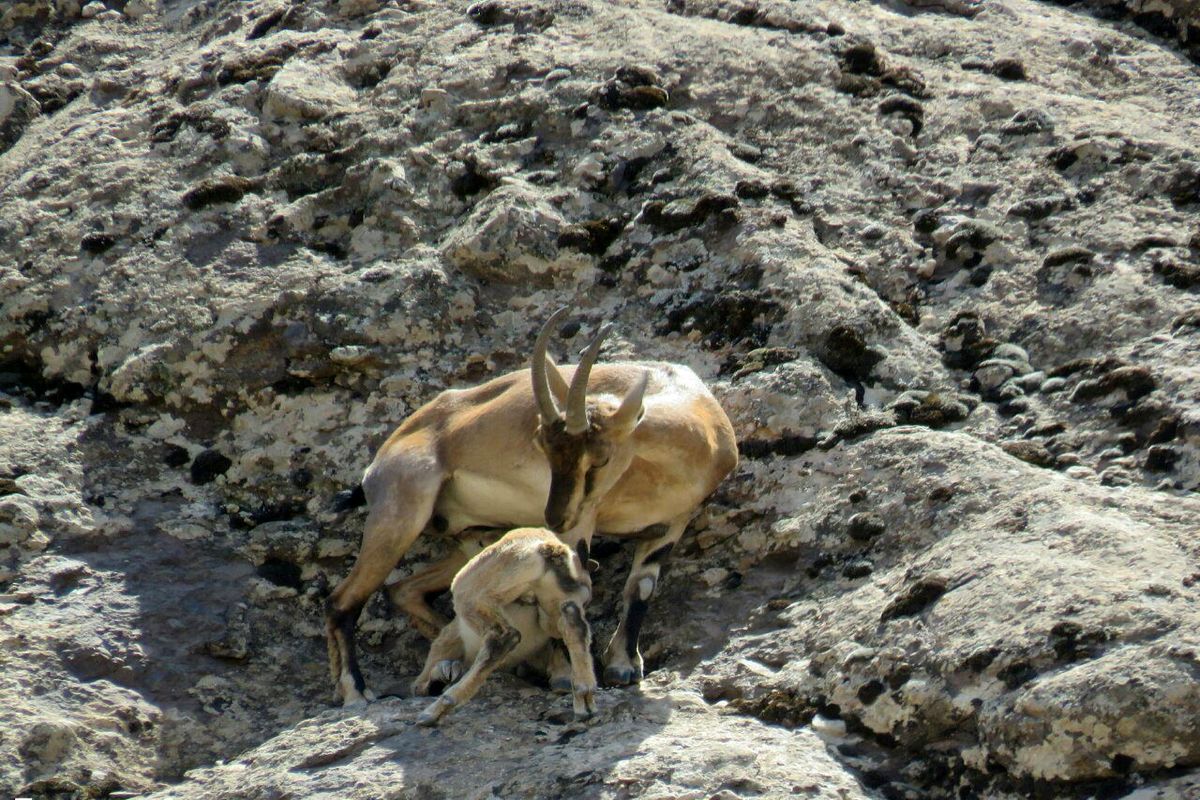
(981, 660)
(1033, 209)
(780, 707)
(97, 243)
(870, 691)
(1009, 69)
(1134, 381)
(281, 573)
(856, 570)
(932, 409)
(1016, 674)
(225, 189)
(906, 107)
(865, 526)
(732, 317)
(915, 599)
(686, 212)
(758, 359)
(1070, 642)
(635, 87)
(208, 465)
(786, 445)
(1177, 272)
(592, 236)
(523, 16)
(175, 456)
(846, 352)
(1071, 254)
(469, 181)
(965, 341)
(1161, 458)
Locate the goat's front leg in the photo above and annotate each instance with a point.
(558, 664)
(578, 637)
(622, 659)
(500, 640)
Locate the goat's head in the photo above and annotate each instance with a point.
(588, 445)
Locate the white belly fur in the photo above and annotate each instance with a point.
(473, 499)
(524, 618)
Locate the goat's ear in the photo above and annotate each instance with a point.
(592, 565)
(627, 417)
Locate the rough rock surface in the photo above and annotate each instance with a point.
(939, 261)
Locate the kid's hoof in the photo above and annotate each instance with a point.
(434, 712)
(448, 671)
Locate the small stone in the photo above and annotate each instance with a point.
(1032, 382)
(873, 232)
(1052, 385)
(857, 569)
(1028, 121)
(1064, 460)
(93, 9)
(1115, 476)
(993, 374)
(1032, 452)
(138, 9)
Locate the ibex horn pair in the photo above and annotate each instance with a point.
(576, 413)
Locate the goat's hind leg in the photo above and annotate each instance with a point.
(400, 507)
(500, 640)
(408, 594)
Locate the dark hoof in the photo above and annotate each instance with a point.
(561, 685)
(620, 676)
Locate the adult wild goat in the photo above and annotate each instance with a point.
(611, 448)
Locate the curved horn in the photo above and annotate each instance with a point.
(558, 386)
(547, 407)
(577, 397)
(626, 416)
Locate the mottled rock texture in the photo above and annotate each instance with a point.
(939, 261)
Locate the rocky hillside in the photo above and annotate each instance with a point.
(939, 261)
